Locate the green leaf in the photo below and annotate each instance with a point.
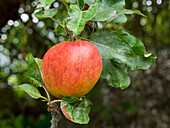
(39, 63)
(44, 3)
(34, 70)
(120, 52)
(72, 1)
(105, 3)
(78, 18)
(123, 47)
(80, 3)
(75, 109)
(108, 10)
(127, 11)
(31, 90)
(116, 73)
(119, 19)
(34, 81)
(46, 14)
(60, 30)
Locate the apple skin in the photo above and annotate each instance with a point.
(71, 68)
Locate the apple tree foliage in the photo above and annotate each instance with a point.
(120, 50)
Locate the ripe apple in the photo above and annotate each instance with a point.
(71, 68)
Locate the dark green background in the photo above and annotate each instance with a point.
(145, 104)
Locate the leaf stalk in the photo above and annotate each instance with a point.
(57, 22)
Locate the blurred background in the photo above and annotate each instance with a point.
(144, 104)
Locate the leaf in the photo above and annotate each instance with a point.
(80, 3)
(34, 81)
(121, 51)
(46, 14)
(127, 11)
(72, 1)
(34, 70)
(117, 12)
(105, 3)
(60, 30)
(116, 73)
(31, 90)
(39, 63)
(108, 10)
(123, 47)
(44, 3)
(119, 19)
(78, 18)
(75, 109)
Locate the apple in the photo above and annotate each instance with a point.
(71, 68)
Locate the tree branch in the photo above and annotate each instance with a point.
(55, 119)
(54, 109)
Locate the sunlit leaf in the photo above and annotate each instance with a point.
(46, 14)
(108, 10)
(44, 3)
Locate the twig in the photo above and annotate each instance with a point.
(54, 101)
(84, 32)
(70, 34)
(90, 26)
(93, 30)
(96, 26)
(57, 22)
(55, 119)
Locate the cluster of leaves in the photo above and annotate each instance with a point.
(120, 50)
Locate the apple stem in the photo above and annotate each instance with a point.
(48, 96)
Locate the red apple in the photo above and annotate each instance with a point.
(71, 68)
